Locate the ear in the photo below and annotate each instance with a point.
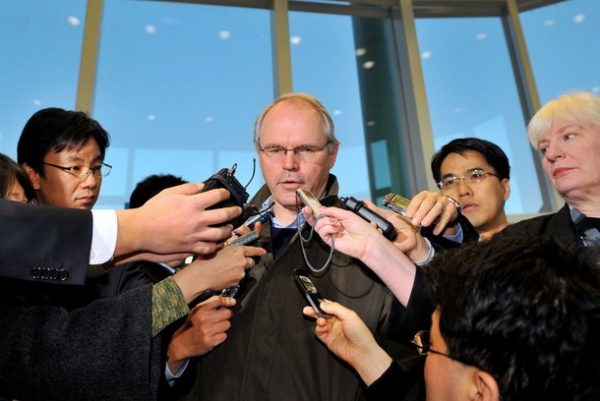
(333, 154)
(487, 388)
(34, 176)
(506, 186)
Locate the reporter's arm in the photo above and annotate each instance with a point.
(357, 238)
(347, 336)
(175, 221)
(43, 243)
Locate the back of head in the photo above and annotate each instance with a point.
(54, 129)
(492, 153)
(576, 108)
(11, 173)
(151, 186)
(525, 311)
(304, 99)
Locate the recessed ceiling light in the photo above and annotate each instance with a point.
(73, 21)
(367, 65)
(361, 51)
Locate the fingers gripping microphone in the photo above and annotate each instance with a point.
(363, 211)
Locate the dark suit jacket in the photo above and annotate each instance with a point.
(102, 351)
(557, 226)
(44, 244)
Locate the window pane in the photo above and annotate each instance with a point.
(562, 40)
(179, 87)
(40, 48)
(471, 92)
(324, 64)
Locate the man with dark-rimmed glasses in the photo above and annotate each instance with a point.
(515, 319)
(475, 173)
(63, 152)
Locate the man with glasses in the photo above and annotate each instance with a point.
(516, 319)
(270, 352)
(475, 173)
(63, 152)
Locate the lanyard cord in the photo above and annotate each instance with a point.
(314, 270)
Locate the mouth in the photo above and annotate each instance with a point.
(86, 200)
(468, 206)
(557, 172)
(291, 184)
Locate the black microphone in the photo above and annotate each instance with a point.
(363, 211)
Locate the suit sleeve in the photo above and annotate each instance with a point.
(416, 316)
(103, 351)
(44, 244)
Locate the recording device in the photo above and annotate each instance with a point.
(397, 203)
(310, 200)
(225, 178)
(363, 211)
(244, 239)
(261, 217)
(310, 292)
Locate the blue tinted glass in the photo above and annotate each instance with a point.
(471, 92)
(562, 40)
(179, 87)
(324, 64)
(40, 50)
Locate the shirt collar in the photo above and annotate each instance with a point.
(275, 221)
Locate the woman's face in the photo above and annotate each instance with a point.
(16, 193)
(571, 158)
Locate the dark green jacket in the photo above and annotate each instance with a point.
(271, 352)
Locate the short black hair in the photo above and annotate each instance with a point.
(493, 154)
(151, 186)
(526, 311)
(54, 129)
(10, 172)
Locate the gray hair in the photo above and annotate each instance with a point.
(575, 108)
(297, 98)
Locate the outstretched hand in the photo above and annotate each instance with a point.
(347, 336)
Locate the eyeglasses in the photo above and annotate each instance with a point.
(422, 343)
(101, 170)
(472, 176)
(307, 153)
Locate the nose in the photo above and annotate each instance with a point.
(290, 160)
(463, 188)
(553, 152)
(90, 180)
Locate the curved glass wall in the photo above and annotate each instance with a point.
(472, 92)
(40, 50)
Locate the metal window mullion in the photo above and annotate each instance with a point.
(417, 133)
(528, 94)
(86, 85)
(282, 60)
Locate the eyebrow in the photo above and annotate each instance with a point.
(467, 170)
(79, 159)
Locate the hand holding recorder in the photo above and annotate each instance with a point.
(357, 238)
(425, 209)
(347, 336)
